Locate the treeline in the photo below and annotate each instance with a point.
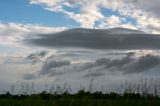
(81, 94)
(147, 93)
(81, 98)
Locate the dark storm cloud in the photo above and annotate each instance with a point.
(111, 39)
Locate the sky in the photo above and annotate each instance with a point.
(78, 41)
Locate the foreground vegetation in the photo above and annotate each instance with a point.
(143, 94)
(81, 98)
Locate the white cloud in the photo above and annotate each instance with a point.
(51, 5)
(145, 12)
(12, 35)
(14, 51)
(151, 6)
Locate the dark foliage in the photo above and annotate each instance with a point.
(81, 98)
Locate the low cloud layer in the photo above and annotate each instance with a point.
(100, 67)
(126, 65)
(36, 56)
(50, 65)
(101, 39)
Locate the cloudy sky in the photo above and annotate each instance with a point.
(76, 41)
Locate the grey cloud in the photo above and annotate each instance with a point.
(149, 6)
(42, 53)
(100, 39)
(101, 67)
(53, 63)
(144, 63)
(108, 63)
(94, 74)
(29, 76)
(36, 56)
(151, 26)
(127, 64)
(49, 66)
(123, 53)
(122, 62)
